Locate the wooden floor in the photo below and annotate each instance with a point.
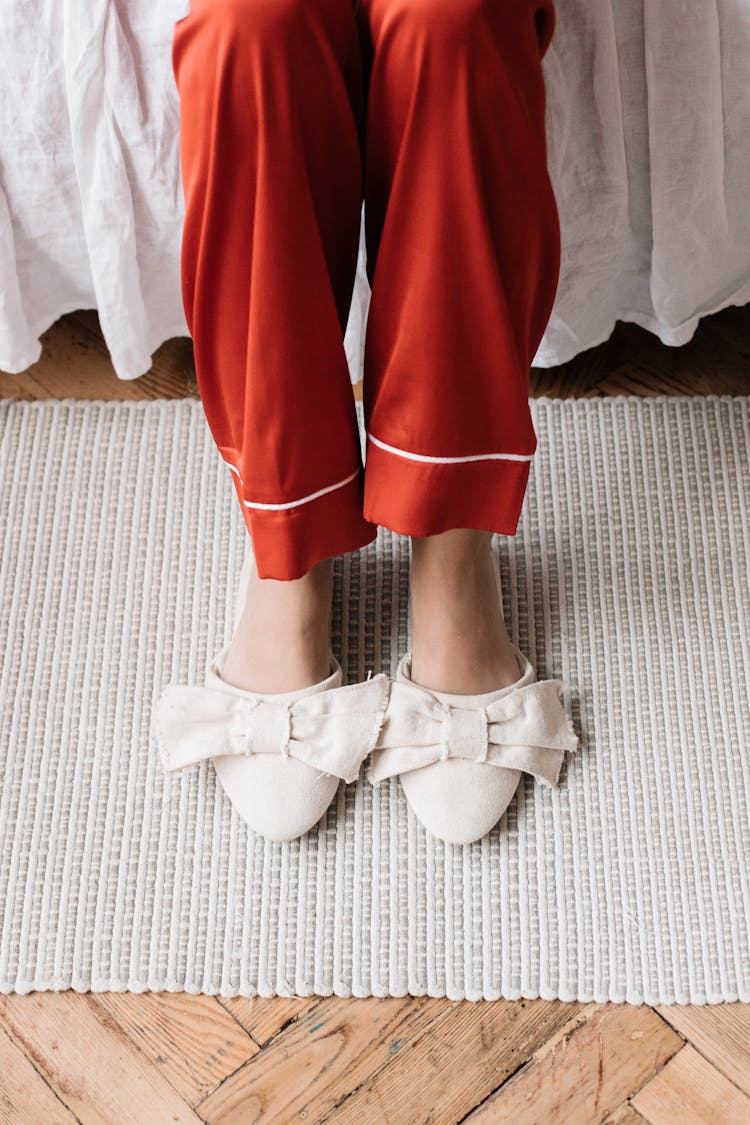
(161, 1057)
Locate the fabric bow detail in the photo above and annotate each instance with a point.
(332, 730)
(527, 729)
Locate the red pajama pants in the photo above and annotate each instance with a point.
(292, 113)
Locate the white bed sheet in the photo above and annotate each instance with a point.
(648, 123)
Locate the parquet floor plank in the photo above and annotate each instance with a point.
(690, 1091)
(192, 1040)
(623, 1115)
(721, 1032)
(332, 1047)
(457, 1062)
(263, 1017)
(24, 1095)
(587, 1072)
(89, 1062)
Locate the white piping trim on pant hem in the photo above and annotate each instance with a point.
(291, 503)
(450, 460)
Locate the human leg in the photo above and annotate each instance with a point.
(463, 248)
(271, 119)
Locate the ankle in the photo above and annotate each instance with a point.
(463, 576)
(452, 562)
(457, 547)
(460, 641)
(297, 602)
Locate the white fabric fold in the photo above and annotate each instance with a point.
(526, 729)
(332, 730)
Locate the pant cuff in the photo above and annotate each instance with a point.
(287, 542)
(415, 497)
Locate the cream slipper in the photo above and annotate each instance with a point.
(460, 757)
(279, 756)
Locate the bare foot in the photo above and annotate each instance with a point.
(282, 641)
(460, 643)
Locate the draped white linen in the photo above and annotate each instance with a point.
(648, 123)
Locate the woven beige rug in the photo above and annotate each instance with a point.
(121, 544)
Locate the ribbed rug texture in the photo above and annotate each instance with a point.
(121, 544)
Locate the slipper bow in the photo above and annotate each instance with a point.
(526, 729)
(332, 730)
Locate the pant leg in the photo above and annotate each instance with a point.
(463, 256)
(271, 105)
